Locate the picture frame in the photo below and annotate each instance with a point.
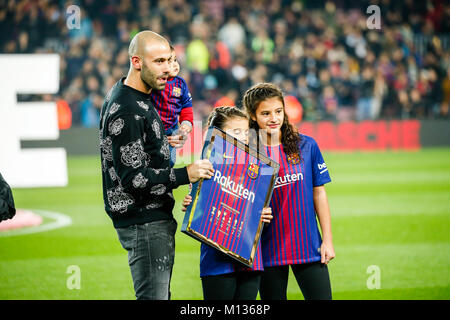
(225, 212)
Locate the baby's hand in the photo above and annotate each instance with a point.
(186, 128)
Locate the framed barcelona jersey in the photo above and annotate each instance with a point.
(225, 211)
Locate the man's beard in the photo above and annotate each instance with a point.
(150, 78)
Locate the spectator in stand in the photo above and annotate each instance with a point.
(263, 46)
(329, 103)
(365, 101)
(444, 110)
(232, 33)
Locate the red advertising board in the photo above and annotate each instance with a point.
(377, 135)
(365, 135)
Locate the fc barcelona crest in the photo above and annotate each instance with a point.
(176, 91)
(294, 158)
(253, 171)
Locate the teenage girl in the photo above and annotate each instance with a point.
(293, 237)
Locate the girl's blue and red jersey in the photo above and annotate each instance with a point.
(293, 236)
(213, 262)
(174, 104)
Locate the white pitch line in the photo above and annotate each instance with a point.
(61, 220)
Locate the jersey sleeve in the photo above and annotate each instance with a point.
(320, 172)
(186, 113)
(186, 98)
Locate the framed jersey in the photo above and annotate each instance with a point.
(225, 212)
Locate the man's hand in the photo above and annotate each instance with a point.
(200, 169)
(179, 137)
(177, 140)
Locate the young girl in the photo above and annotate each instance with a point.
(223, 278)
(292, 238)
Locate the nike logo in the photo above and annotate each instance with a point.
(227, 157)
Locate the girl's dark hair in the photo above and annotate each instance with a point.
(220, 115)
(253, 97)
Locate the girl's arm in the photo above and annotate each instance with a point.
(186, 202)
(266, 215)
(323, 212)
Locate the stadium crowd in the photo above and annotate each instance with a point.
(320, 52)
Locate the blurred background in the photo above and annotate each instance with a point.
(320, 52)
(376, 101)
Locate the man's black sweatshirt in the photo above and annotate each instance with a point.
(136, 172)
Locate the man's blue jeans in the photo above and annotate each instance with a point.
(151, 253)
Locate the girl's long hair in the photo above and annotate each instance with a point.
(252, 98)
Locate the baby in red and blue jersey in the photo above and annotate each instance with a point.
(174, 106)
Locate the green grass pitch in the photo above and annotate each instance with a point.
(390, 210)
